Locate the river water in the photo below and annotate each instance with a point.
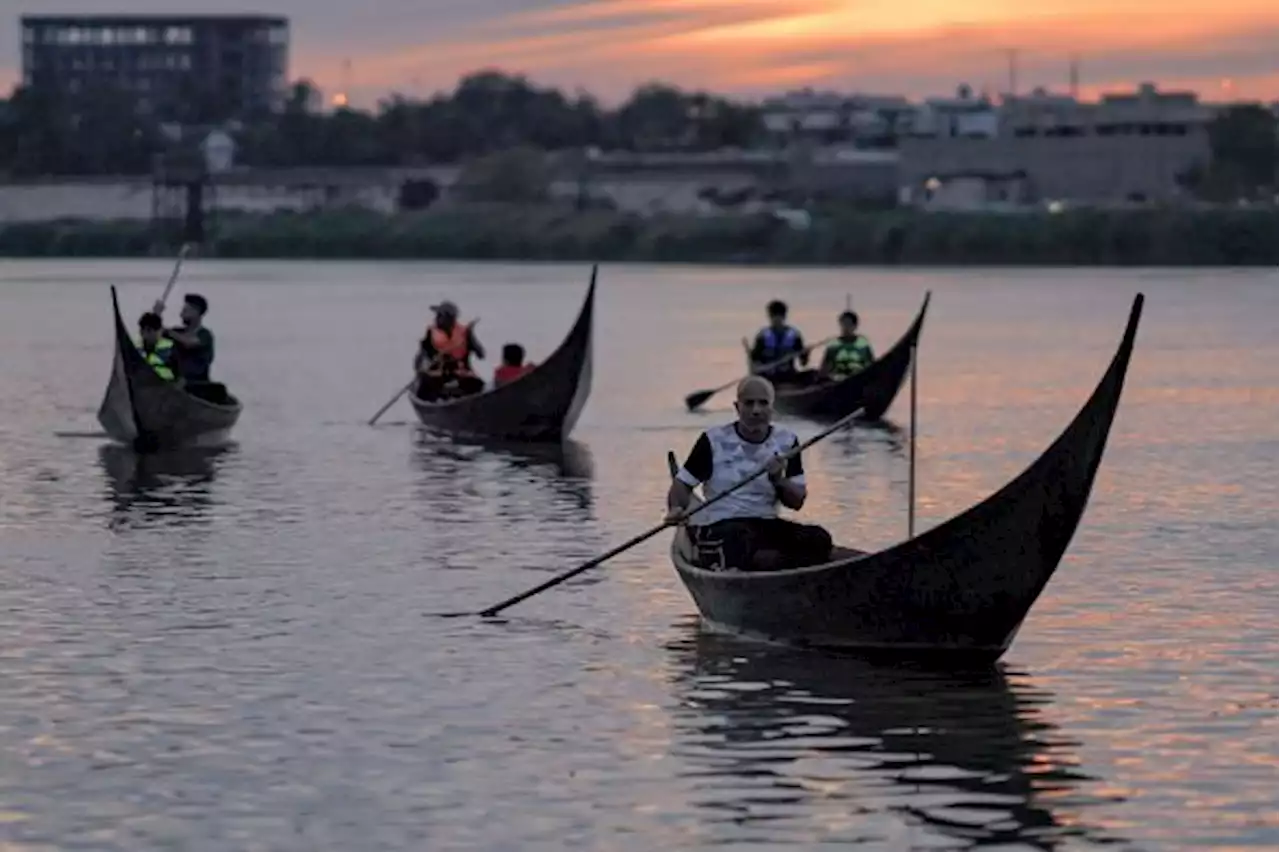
(238, 650)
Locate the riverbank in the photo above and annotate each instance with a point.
(1217, 237)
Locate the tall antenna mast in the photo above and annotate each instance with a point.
(1012, 54)
(1073, 76)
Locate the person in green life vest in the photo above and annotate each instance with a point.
(156, 349)
(849, 354)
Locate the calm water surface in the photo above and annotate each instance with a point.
(237, 650)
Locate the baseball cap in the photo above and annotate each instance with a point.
(446, 307)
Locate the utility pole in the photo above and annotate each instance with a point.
(1073, 76)
(1012, 54)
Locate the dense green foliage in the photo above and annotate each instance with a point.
(545, 232)
(103, 132)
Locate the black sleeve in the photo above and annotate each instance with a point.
(795, 467)
(699, 462)
(757, 349)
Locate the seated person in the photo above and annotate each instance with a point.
(156, 349)
(849, 354)
(743, 531)
(444, 355)
(513, 365)
(774, 343)
(444, 378)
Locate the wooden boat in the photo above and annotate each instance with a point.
(873, 389)
(542, 405)
(959, 591)
(149, 413)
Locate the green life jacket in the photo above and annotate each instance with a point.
(159, 357)
(849, 356)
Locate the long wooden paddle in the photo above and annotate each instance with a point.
(684, 516)
(177, 268)
(405, 389)
(697, 398)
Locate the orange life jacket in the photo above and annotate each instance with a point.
(450, 346)
(506, 373)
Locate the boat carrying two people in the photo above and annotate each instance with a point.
(443, 361)
(778, 346)
(182, 354)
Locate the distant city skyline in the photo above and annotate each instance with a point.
(749, 48)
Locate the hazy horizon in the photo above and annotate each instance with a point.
(750, 48)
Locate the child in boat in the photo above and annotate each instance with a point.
(513, 365)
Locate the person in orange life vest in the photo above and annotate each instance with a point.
(513, 365)
(444, 356)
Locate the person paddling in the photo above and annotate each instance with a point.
(444, 355)
(774, 342)
(743, 531)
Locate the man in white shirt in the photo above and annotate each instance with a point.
(743, 530)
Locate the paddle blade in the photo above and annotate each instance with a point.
(696, 399)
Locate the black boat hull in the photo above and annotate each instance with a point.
(149, 413)
(958, 591)
(541, 406)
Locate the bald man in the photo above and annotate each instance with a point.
(743, 531)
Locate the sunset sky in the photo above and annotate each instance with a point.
(1225, 50)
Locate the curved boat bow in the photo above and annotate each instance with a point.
(958, 591)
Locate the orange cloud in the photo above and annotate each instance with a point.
(916, 47)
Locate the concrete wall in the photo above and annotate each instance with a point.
(636, 189)
(1088, 168)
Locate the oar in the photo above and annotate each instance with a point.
(911, 464)
(684, 516)
(697, 398)
(393, 400)
(177, 267)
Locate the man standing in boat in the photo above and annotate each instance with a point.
(193, 343)
(849, 354)
(743, 531)
(444, 355)
(773, 343)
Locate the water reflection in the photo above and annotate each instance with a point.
(815, 748)
(477, 481)
(886, 433)
(170, 486)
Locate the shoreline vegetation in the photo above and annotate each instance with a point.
(544, 232)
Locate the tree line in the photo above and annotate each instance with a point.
(102, 131)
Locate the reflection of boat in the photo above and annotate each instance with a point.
(542, 405)
(960, 590)
(873, 390)
(809, 749)
(167, 483)
(147, 412)
(568, 466)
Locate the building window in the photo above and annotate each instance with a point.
(279, 35)
(178, 35)
(28, 35)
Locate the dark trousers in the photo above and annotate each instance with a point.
(447, 387)
(761, 544)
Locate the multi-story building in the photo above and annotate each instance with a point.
(826, 118)
(1131, 147)
(198, 68)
